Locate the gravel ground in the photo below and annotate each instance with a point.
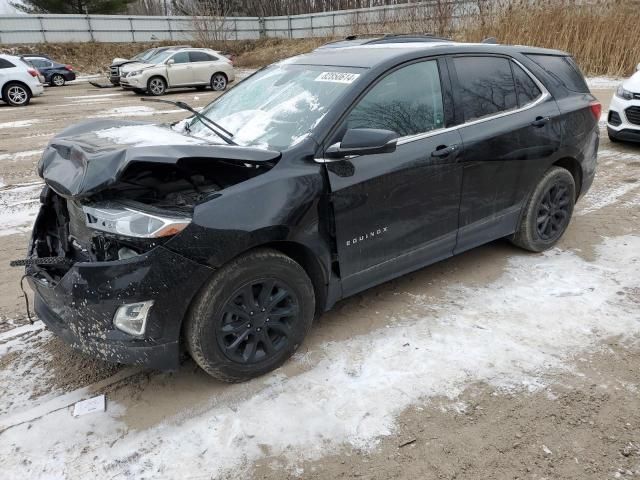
(493, 364)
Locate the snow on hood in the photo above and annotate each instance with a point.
(147, 136)
(632, 84)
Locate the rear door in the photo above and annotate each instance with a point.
(511, 135)
(396, 212)
(203, 66)
(180, 72)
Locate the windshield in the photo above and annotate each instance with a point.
(159, 57)
(277, 107)
(142, 55)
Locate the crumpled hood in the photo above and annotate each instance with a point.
(632, 84)
(135, 65)
(92, 156)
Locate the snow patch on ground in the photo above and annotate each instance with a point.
(19, 205)
(510, 332)
(24, 362)
(19, 155)
(147, 136)
(18, 124)
(100, 96)
(597, 199)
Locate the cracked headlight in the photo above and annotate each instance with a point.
(134, 73)
(129, 222)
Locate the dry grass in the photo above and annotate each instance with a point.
(602, 35)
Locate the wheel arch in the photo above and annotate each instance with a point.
(574, 167)
(13, 82)
(309, 262)
(221, 73)
(158, 75)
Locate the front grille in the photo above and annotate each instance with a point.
(614, 118)
(633, 115)
(115, 71)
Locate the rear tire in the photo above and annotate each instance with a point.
(218, 82)
(251, 316)
(156, 86)
(548, 211)
(57, 80)
(16, 94)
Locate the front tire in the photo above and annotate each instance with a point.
(251, 317)
(548, 211)
(156, 86)
(218, 82)
(57, 80)
(16, 94)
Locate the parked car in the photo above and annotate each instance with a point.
(623, 120)
(178, 68)
(19, 81)
(54, 73)
(142, 57)
(312, 180)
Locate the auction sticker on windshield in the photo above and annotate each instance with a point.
(338, 77)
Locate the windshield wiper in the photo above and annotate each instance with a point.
(210, 124)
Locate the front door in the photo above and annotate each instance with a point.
(180, 72)
(396, 212)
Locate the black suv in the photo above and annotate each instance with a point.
(226, 234)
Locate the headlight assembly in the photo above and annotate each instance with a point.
(134, 73)
(624, 94)
(119, 219)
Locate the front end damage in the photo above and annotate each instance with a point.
(103, 278)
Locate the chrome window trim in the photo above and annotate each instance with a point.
(541, 98)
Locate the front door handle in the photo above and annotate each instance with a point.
(443, 151)
(540, 121)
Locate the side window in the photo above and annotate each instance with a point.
(407, 101)
(486, 86)
(526, 88)
(6, 63)
(563, 69)
(201, 57)
(181, 57)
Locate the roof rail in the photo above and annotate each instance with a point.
(490, 40)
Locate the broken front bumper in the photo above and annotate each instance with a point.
(81, 305)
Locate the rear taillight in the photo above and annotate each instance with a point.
(33, 72)
(596, 109)
(69, 67)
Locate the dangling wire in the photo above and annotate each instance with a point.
(26, 298)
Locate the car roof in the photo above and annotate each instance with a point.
(36, 55)
(371, 54)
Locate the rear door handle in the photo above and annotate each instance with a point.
(443, 151)
(540, 121)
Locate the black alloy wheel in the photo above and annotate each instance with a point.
(251, 316)
(257, 320)
(548, 211)
(554, 211)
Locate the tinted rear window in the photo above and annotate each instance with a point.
(486, 86)
(563, 69)
(527, 89)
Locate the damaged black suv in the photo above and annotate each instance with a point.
(226, 234)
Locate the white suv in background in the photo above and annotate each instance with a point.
(623, 121)
(19, 81)
(178, 68)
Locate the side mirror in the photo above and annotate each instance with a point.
(170, 62)
(363, 141)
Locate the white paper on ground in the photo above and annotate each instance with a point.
(95, 404)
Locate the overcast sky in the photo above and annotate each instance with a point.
(6, 8)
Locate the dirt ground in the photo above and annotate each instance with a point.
(574, 415)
